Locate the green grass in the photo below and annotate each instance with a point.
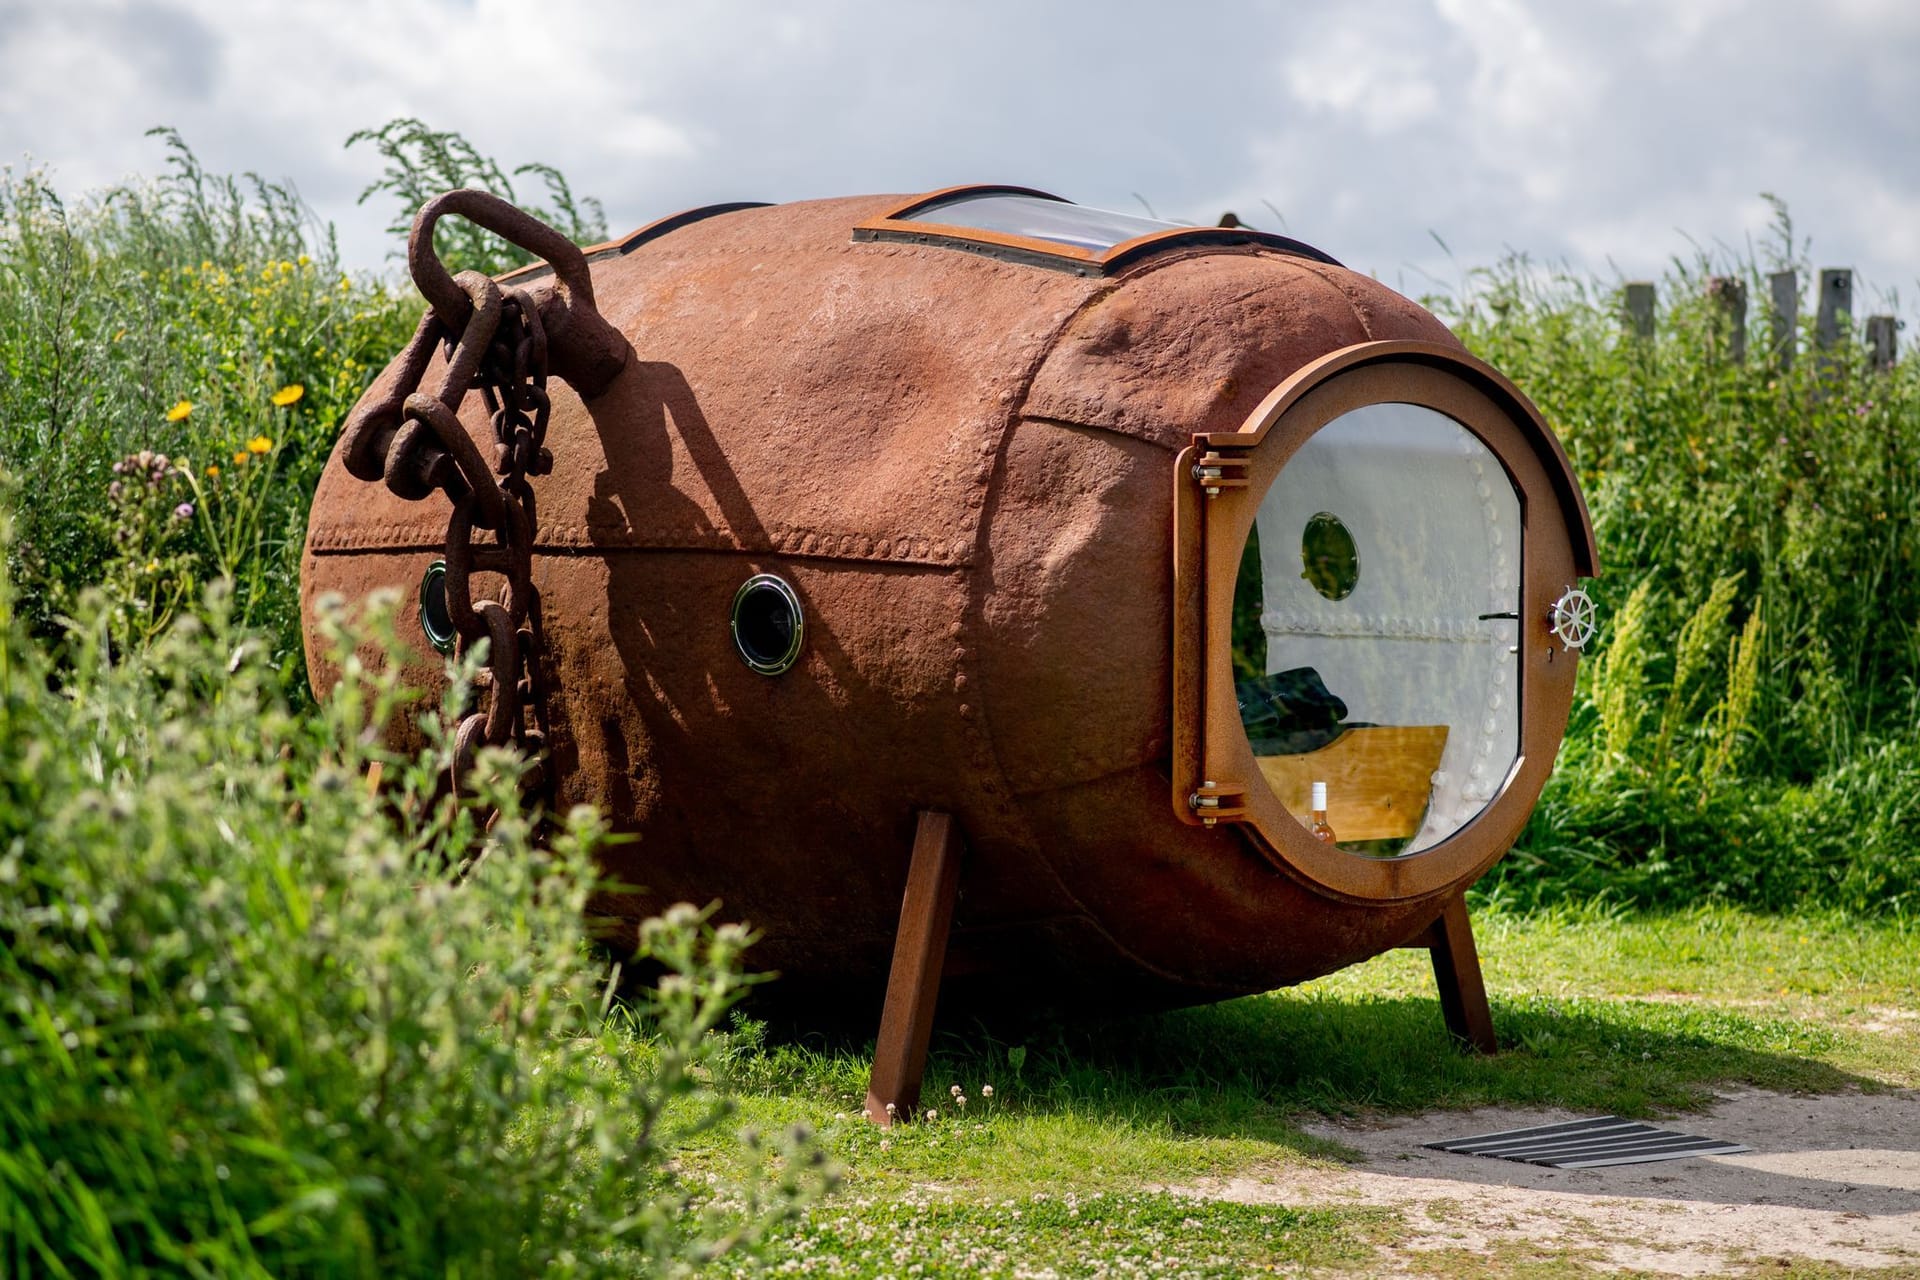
(1070, 1234)
(1601, 1011)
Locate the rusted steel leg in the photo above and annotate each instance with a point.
(1456, 971)
(919, 952)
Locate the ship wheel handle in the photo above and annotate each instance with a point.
(1573, 618)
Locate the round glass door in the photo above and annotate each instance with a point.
(1376, 629)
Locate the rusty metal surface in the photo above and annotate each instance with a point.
(964, 467)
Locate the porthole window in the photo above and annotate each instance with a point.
(1329, 558)
(1415, 677)
(768, 624)
(435, 621)
(1395, 688)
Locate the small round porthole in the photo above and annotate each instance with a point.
(767, 624)
(1329, 559)
(434, 619)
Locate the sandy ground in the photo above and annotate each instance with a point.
(1834, 1179)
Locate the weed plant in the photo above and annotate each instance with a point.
(258, 1019)
(422, 162)
(198, 317)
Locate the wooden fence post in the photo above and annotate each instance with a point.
(1731, 295)
(1835, 316)
(1836, 305)
(1640, 309)
(1785, 289)
(1882, 344)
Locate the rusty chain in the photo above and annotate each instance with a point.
(496, 342)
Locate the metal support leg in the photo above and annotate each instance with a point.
(1456, 971)
(913, 984)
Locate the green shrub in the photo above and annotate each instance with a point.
(192, 317)
(422, 162)
(257, 1020)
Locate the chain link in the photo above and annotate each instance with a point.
(501, 351)
(498, 342)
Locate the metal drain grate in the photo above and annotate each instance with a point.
(1588, 1144)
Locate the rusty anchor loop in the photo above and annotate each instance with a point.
(504, 343)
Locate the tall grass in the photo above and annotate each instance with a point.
(189, 317)
(1713, 753)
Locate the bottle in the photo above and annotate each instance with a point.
(1320, 829)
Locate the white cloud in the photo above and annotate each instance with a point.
(1368, 71)
(1610, 131)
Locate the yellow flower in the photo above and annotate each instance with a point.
(240, 457)
(180, 411)
(289, 394)
(213, 472)
(259, 444)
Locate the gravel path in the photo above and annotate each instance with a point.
(1834, 1179)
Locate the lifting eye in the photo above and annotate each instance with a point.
(768, 625)
(1330, 560)
(434, 618)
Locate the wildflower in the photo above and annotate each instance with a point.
(241, 456)
(183, 512)
(891, 1109)
(114, 490)
(180, 410)
(213, 471)
(259, 444)
(986, 1091)
(954, 1090)
(960, 1099)
(153, 566)
(932, 1115)
(289, 394)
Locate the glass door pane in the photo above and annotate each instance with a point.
(1376, 622)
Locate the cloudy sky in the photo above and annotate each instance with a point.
(1607, 135)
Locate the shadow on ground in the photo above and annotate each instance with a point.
(1249, 1068)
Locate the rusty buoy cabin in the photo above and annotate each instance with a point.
(972, 589)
